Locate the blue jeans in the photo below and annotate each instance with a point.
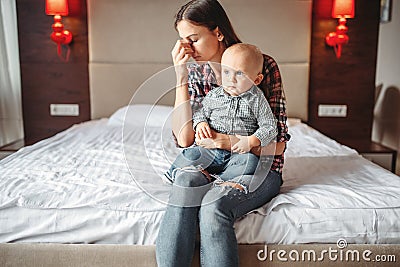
(216, 161)
(195, 202)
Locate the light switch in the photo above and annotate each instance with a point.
(64, 109)
(332, 110)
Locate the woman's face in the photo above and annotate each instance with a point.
(205, 43)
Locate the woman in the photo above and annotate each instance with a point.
(206, 32)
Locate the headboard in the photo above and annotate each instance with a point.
(131, 40)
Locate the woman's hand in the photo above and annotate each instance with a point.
(243, 146)
(224, 141)
(181, 54)
(218, 140)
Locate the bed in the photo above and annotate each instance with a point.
(100, 182)
(93, 195)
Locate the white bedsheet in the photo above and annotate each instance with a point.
(77, 187)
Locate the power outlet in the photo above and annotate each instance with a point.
(332, 110)
(64, 109)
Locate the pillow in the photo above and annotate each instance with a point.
(293, 121)
(142, 115)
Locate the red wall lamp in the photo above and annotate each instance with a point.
(342, 9)
(59, 8)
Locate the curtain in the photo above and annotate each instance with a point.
(11, 126)
(386, 125)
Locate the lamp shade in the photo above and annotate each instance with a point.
(57, 7)
(343, 9)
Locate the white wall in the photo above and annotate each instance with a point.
(136, 47)
(386, 127)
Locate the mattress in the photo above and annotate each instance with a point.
(101, 182)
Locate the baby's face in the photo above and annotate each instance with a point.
(237, 75)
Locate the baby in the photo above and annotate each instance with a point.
(238, 107)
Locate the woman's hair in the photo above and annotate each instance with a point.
(210, 14)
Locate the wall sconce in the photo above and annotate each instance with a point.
(60, 36)
(342, 9)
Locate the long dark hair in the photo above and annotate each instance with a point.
(210, 14)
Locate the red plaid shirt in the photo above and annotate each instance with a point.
(202, 80)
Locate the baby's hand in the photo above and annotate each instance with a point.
(203, 131)
(242, 146)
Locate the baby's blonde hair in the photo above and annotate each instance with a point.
(250, 52)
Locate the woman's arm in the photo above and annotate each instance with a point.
(273, 148)
(225, 141)
(272, 88)
(182, 125)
